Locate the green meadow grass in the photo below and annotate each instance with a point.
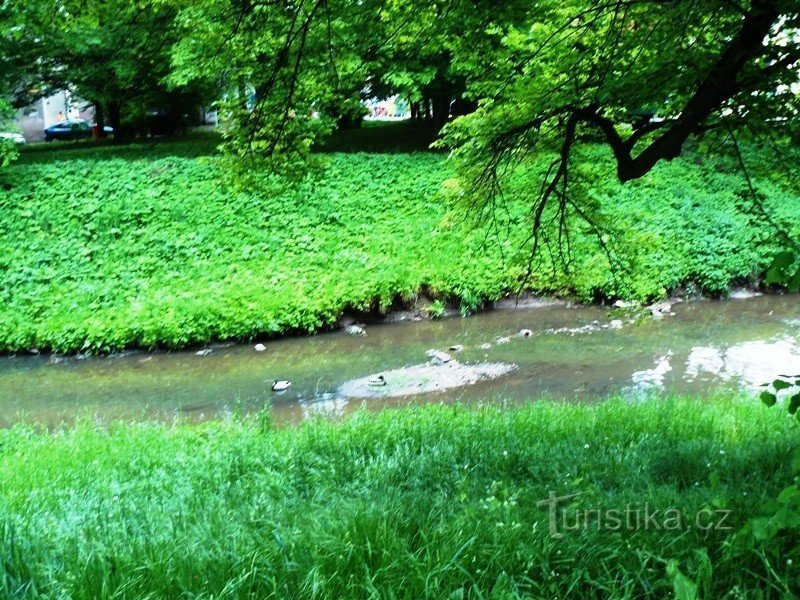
(103, 248)
(436, 502)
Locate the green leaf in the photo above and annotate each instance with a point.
(790, 492)
(793, 282)
(794, 404)
(768, 398)
(683, 586)
(763, 528)
(780, 384)
(777, 272)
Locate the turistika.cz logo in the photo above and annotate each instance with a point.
(633, 517)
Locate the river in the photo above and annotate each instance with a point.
(572, 352)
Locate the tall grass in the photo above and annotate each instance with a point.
(424, 502)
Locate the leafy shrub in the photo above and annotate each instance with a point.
(145, 245)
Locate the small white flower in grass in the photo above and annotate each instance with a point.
(505, 453)
(722, 452)
(586, 446)
(788, 561)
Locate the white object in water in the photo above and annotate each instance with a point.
(625, 304)
(653, 378)
(752, 363)
(377, 380)
(204, 352)
(439, 357)
(259, 347)
(281, 385)
(525, 333)
(660, 309)
(355, 330)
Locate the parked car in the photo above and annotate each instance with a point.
(17, 138)
(71, 129)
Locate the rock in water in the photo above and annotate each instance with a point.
(423, 379)
(259, 347)
(660, 309)
(204, 352)
(625, 304)
(439, 357)
(355, 330)
(377, 380)
(525, 333)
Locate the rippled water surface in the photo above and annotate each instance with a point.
(572, 353)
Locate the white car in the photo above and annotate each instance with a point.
(17, 138)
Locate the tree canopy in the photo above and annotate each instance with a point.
(114, 55)
(504, 80)
(644, 75)
(535, 70)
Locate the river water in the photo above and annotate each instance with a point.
(580, 353)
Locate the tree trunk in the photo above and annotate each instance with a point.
(721, 83)
(99, 119)
(463, 107)
(440, 110)
(114, 110)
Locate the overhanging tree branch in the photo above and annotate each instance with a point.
(720, 85)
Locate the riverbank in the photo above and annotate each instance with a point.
(432, 501)
(146, 247)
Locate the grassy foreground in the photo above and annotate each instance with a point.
(142, 246)
(425, 502)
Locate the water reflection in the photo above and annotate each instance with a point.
(751, 363)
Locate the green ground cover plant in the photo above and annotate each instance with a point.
(146, 245)
(433, 501)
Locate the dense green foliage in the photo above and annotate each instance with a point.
(527, 66)
(8, 150)
(113, 55)
(145, 245)
(415, 503)
(513, 81)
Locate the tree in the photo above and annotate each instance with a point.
(115, 55)
(642, 77)
(27, 66)
(8, 150)
(542, 70)
(289, 71)
(700, 66)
